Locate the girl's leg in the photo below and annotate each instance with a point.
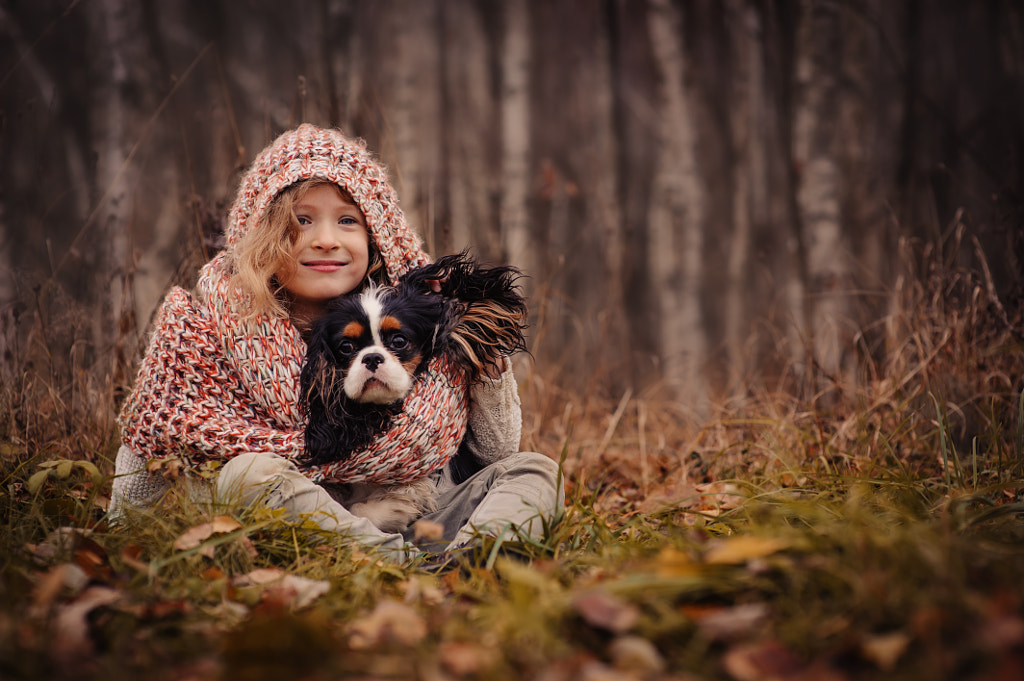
(277, 483)
(512, 497)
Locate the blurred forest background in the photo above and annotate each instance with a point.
(704, 193)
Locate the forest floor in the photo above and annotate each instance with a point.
(872, 531)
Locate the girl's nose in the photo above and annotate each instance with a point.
(324, 237)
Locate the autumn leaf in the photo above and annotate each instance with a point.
(603, 610)
(637, 655)
(730, 624)
(72, 641)
(282, 589)
(389, 621)
(672, 562)
(191, 539)
(885, 650)
(465, 658)
(740, 549)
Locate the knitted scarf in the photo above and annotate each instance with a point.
(215, 383)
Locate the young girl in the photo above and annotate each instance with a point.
(315, 218)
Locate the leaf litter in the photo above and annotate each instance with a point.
(878, 537)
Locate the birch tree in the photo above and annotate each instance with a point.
(515, 136)
(827, 268)
(677, 213)
(469, 113)
(749, 174)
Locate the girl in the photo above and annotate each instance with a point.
(315, 218)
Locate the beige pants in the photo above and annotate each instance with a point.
(514, 496)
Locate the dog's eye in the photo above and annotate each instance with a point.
(399, 342)
(346, 347)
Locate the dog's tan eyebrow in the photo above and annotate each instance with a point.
(389, 323)
(353, 330)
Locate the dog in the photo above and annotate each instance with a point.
(367, 352)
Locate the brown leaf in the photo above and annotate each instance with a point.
(603, 610)
(675, 563)
(730, 624)
(170, 467)
(58, 578)
(885, 650)
(71, 640)
(463, 658)
(764, 661)
(282, 589)
(191, 539)
(389, 621)
(131, 556)
(636, 654)
(740, 549)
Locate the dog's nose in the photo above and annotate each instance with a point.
(373, 360)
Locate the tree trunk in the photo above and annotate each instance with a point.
(515, 137)
(677, 214)
(826, 325)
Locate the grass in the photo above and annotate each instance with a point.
(875, 535)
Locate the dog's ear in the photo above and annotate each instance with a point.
(490, 314)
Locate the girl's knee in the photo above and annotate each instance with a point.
(533, 462)
(250, 471)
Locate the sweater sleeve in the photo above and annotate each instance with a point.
(495, 418)
(187, 400)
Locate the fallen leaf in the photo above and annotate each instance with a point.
(170, 467)
(730, 624)
(56, 580)
(191, 539)
(389, 621)
(720, 495)
(603, 610)
(636, 654)
(282, 589)
(259, 576)
(71, 641)
(131, 556)
(672, 562)
(420, 591)
(57, 542)
(885, 650)
(740, 549)
(763, 661)
(463, 658)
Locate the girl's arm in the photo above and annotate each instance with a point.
(495, 417)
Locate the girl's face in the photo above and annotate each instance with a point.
(331, 251)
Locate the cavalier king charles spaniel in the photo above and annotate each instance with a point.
(366, 354)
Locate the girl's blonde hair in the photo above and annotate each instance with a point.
(265, 250)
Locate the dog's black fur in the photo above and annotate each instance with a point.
(478, 317)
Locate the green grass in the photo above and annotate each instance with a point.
(881, 575)
(875, 535)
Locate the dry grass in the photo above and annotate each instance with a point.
(876, 537)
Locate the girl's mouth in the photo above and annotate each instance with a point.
(324, 265)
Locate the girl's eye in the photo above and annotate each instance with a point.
(303, 220)
(348, 221)
(399, 342)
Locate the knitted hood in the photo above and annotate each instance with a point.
(309, 152)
